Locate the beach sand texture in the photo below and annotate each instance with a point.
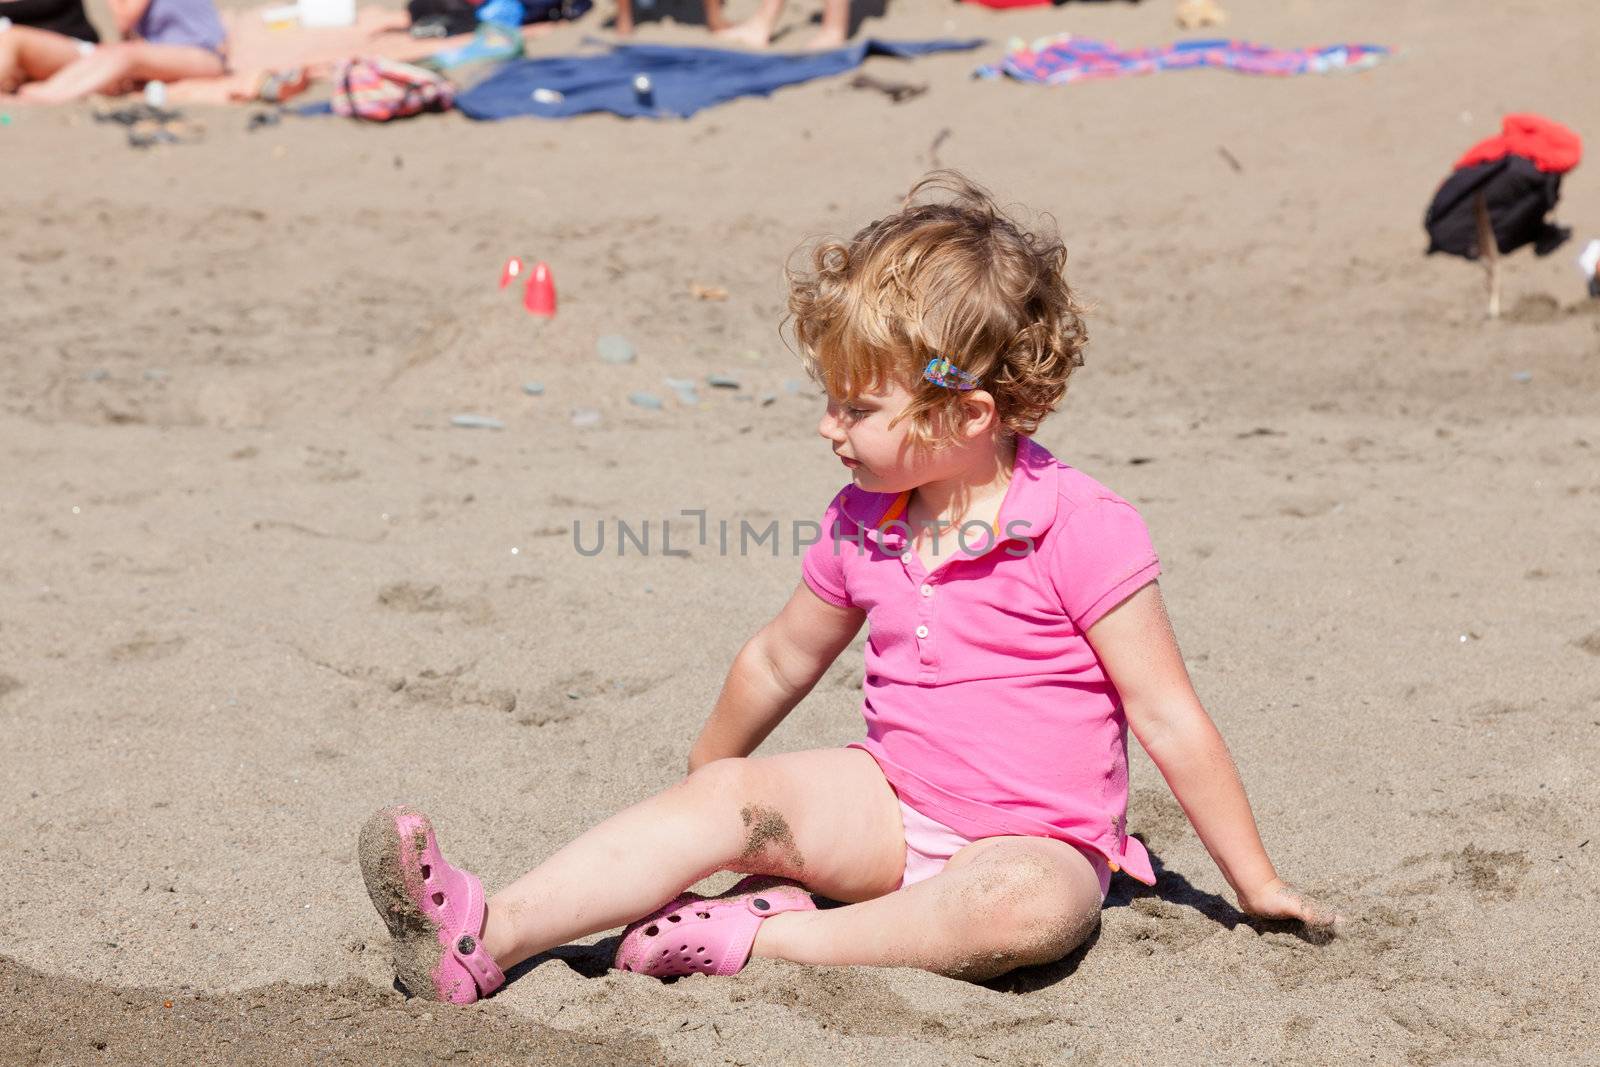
(254, 584)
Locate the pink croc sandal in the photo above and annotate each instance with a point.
(706, 935)
(434, 911)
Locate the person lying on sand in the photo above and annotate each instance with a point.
(162, 40)
(1016, 633)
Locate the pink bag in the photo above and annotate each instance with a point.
(378, 90)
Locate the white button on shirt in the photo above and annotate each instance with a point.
(922, 631)
(927, 590)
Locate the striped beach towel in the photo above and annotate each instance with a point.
(1065, 58)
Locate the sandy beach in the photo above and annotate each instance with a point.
(254, 584)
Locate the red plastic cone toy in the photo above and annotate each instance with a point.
(540, 295)
(511, 271)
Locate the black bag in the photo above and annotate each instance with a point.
(442, 18)
(1518, 195)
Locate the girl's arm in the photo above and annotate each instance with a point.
(1136, 644)
(127, 13)
(773, 673)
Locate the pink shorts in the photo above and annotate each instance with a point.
(930, 844)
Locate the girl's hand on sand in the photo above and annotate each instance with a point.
(1280, 900)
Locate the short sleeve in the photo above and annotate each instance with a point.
(823, 564)
(1099, 556)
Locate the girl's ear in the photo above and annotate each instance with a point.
(979, 412)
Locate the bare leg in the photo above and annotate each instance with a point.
(624, 23)
(714, 20)
(28, 54)
(755, 31)
(835, 29)
(1489, 252)
(110, 66)
(1001, 903)
(827, 819)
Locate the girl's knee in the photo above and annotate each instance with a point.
(744, 790)
(1025, 912)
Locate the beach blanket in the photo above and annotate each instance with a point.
(1065, 58)
(676, 81)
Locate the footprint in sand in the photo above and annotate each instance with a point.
(564, 698)
(1310, 508)
(330, 465)
(9, 683)
(448, 689)
(145, 647)
(410, 596)
(1487, 873)
(417, 598)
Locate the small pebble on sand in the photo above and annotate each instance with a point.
(533, 388)
(477, 422)
(585, 417)
(685, 390)
(614, 348)
(722, 381)
(649, 401)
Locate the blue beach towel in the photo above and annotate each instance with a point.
(1065, 58)
(681, 80)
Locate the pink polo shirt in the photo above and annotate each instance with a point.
(985, 705)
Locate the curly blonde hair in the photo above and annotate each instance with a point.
(950, 276)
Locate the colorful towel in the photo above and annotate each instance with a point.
(659, 81)
(1065, 58)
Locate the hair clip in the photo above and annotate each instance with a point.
(942, 372)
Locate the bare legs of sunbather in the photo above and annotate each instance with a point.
(756, 31)
(116, 68)
(624, 21)
(48, 68)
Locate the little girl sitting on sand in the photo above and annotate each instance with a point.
(1016, 631)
